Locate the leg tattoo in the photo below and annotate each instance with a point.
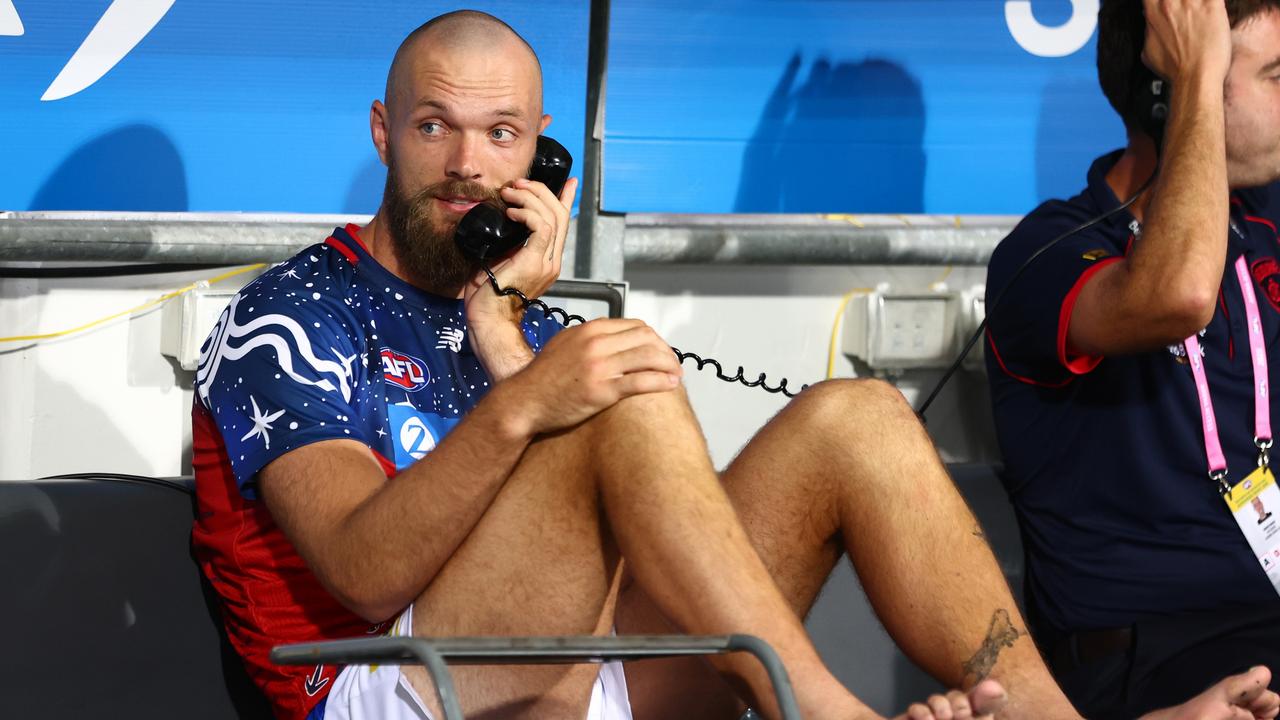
(1002, 634)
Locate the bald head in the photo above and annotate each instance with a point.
(458, 32)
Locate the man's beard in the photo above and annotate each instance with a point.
(423, 241)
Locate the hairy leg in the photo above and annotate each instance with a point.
(540, 562)
(635, 479)
(846, 467)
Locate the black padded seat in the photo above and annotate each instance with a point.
(103, 611)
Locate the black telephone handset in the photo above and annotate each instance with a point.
(485, 233)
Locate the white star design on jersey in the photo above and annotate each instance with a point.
(261, 423)
(381, 432)
(290, 273)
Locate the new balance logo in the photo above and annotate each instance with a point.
(450, 338)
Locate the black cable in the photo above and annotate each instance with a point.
(86, 271)
(551, 312)
(982, 326)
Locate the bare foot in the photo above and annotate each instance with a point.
(1239, 697)
(983, 701)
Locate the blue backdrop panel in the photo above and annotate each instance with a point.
(235, 105)
(713, 106)
(846, 106)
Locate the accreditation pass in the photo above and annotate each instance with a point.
(1255, 503)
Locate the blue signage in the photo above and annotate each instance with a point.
(851, 106)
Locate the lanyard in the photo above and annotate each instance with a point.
(1261, 401)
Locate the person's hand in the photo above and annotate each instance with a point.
(531, 269)
(587, 368)
(1187, 40)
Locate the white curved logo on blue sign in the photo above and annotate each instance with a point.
(118, 31)
(10, 23)
(1051, 41)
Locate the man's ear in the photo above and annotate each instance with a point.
(542, 125)
(379, 130)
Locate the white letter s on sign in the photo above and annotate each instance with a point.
(1057, 41)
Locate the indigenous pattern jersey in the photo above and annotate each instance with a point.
(1105, 456)
(328, 345)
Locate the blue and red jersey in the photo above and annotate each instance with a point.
(1104, 456)
(327, 345)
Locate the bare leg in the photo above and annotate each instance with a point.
(542, 559)
(847, 468)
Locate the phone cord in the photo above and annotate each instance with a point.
(553, 312)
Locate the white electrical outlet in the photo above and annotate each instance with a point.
(187, 320)
(889, 330)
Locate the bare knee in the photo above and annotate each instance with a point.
(846, 406)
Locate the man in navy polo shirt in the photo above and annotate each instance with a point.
(1141, 585)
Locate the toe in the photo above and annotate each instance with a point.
(941, 707)
(960, 709)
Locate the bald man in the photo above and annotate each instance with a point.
(384, 445)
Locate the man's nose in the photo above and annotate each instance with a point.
(462, 163)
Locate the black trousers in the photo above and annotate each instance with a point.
(1169, 661)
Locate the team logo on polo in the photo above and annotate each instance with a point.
(1266, 271)
(404, 371)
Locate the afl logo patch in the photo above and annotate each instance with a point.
(1266, 272)
(404, 371)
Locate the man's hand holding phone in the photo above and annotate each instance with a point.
(493, 320)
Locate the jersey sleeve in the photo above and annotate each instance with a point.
(1029, 309)
(277, 374)
(539, 328)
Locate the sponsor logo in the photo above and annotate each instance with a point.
(316, 681)
(404, 371)
(1046, 41)
(124, 24)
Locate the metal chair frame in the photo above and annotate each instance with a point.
(436, 653)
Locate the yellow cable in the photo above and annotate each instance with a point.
(130, 311)
(835, 330)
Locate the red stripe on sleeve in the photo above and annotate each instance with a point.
(1082, 364)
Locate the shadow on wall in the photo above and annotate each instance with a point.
(850, 139)
(365, 194)
(133, 168)
(1076, 125)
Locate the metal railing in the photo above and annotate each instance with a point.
(237, 238)
(436, 653)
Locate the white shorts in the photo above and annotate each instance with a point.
(381, 692)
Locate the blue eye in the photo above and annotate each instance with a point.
(430, 128)
(501, 134)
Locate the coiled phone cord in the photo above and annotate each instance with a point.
(555, 312)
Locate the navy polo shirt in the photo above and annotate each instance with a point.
(1104, 456)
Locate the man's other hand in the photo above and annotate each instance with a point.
(1188, 40)
(587, 368)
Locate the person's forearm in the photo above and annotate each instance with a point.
(1177, 267)
(390, 548)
